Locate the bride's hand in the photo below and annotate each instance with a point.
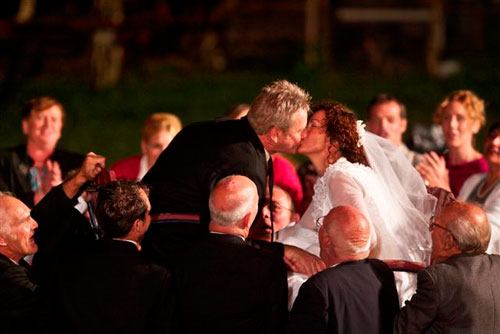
(300, 261)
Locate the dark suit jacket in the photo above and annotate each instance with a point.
(197, 158)
(61, 228)
(225, 285)
(14, 170)
(352, 297)
(111, 288)
(19, 297)
(459, 295)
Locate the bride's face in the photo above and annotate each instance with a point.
(316, 139)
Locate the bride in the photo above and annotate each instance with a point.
(369, 173)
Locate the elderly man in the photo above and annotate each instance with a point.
(460, 293)
(387, 118)
(31, 170)
(203, 153)
(356, 294)
(19, 294)
(224, 284)
(284, 214)
(110, 286)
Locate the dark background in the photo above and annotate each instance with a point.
(196, 59)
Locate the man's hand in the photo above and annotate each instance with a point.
(91, 167)
(300, 261)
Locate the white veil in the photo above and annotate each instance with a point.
(412, 205)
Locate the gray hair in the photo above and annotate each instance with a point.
(275, 105)
(469, 226)
(4, 215)
(237, 202)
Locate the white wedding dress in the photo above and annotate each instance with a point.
(392, 196)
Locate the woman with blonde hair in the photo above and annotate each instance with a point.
(461, 115)
(157, 132)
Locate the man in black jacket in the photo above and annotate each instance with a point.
(19, 293)
(355, 295)
(225, 285)
(203, 153)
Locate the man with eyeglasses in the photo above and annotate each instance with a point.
(284, 215)
(460, 292)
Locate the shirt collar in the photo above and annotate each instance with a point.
(131, 241)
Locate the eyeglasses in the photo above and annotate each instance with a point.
(433, 224)
(319, 222)
(275, 207)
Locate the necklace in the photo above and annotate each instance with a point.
(482, 193)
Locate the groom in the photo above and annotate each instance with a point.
(203, 153)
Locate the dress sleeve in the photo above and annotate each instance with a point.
(344, 190)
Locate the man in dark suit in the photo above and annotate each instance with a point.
(32, 169)
(19, 293)
(355, 295)
(110, 286)
(203, 153)
(223, 284)
(460, 292)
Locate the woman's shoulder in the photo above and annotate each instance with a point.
(343, 166)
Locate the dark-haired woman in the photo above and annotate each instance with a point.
(368, 172)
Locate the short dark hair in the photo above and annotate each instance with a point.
(384, 98)
(119, 204)
(493, 130)
(40, 104)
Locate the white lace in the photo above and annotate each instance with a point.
(360, 127)
(321, 202)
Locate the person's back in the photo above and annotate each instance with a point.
(228, 286)
(111, 287)
(223, 283)
(358, 297)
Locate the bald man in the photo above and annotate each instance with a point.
(18, 290)
(355, 294)
(460, 292)
(224, 284)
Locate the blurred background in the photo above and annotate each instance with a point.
(113, 62)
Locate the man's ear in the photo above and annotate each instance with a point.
(404, 125)
(246, 221)
(449, 241)
(295, 217)
(273, 134)
(25, 126)
(2, 241)
(143, 146)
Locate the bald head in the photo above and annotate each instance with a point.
(16, 228)
(345, 235)
(469, 225)
(232, 199)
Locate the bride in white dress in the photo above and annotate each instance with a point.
(365, 171)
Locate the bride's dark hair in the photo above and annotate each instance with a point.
(341, 127)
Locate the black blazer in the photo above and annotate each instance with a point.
(197, 158)
(19, 297)
(225, 285)
(110, 288)
(61, 229)
(352, 297)
(459, 295)
(14, 169)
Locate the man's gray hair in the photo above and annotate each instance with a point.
(275, 105)
(4, 215)
(238, 203)
(469, 226)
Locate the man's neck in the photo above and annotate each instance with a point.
(231, 230)
(38, 154)
(11, 256)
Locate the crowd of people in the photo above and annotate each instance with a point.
(212, 228)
